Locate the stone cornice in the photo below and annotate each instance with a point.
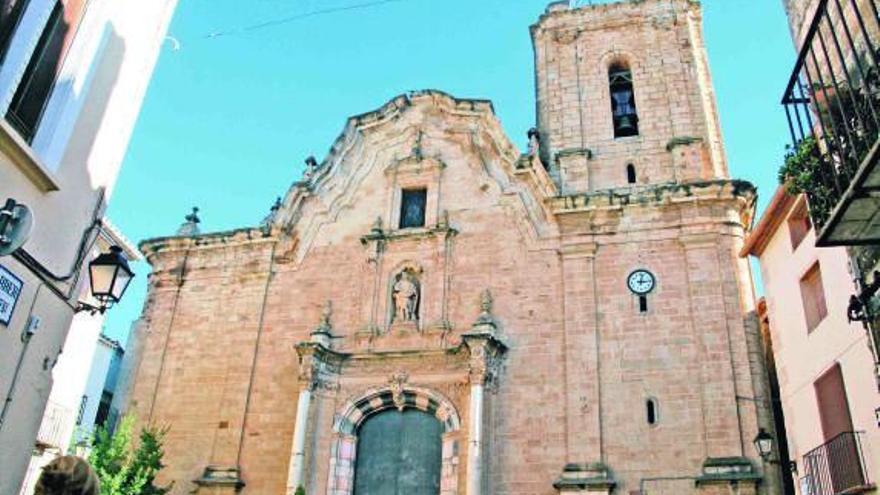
(561, 20)
(662, 194)
(414, 233)
(230, 238)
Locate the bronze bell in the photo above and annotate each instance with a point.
(626, 123)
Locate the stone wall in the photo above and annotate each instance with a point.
(662, 43)
(237, 322)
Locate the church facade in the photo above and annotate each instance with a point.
(431, 311)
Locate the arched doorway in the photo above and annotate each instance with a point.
(416, 409)
(399, 453)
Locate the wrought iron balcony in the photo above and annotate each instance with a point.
(832, 102)
(837, 467)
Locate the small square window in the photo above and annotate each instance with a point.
(412, 208)
(813, 297)
(799, 225)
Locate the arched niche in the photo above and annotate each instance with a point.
(406, 293)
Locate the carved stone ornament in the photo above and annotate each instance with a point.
(324, 332)
(566, 36)
(377, 226)
(326, 313)
(532, 157)
(534, 141)
(311, 168)
(405, 295)
(485, 364)
(191, 226)
(486, 308)
(273, 212)
(396, 381)
(486, 349)
(314, 372)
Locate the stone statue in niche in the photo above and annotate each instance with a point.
(405, 295)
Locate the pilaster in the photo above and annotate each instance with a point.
(581, 354)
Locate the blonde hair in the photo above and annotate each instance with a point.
(68, 475)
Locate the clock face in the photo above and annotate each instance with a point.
(640, 281)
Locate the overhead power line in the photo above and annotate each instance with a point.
(297, 17)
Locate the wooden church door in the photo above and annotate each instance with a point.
(399, 453)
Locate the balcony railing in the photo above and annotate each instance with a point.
(837, 467)
(52, 430)
(832, 102)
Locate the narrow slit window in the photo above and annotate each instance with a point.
(412, 208)
(630, 173)
(651, 411)
(623, 101)
(643, 304)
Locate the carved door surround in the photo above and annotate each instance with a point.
(353, 386)
(397, 395)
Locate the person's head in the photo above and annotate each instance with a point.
(68, 475)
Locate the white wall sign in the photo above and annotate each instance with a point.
(10, 289)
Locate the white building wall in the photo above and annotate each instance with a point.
(94, 389)
(75, 156)
(802, 356)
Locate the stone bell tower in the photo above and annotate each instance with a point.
(625, 96)
(650, 227)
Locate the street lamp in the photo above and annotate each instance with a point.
(764, 444)
(109, 276)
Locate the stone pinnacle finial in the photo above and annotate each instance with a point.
(417, 149)
(486, 302)
(534, 134)
(377, 226)
(323, 333)
(311, 168)
(326, 314)
(485, 317)
(191, 226)
(273, 212)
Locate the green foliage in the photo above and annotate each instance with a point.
(804, 172)
(123, 468)
(300, 490)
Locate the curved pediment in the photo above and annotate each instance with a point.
(414, 140)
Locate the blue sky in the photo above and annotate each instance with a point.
(228, 119)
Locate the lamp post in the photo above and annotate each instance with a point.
(109, 276)
(764, 444)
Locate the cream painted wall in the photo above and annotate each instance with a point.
(66, 178)
(802, 357)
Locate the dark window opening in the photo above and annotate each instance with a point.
(631, 173)
(623, 102)
(10, 16)
(32, 94)
(82, 409)
(103, 408)
(412, 208)
(651, 410)
(643, 304)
